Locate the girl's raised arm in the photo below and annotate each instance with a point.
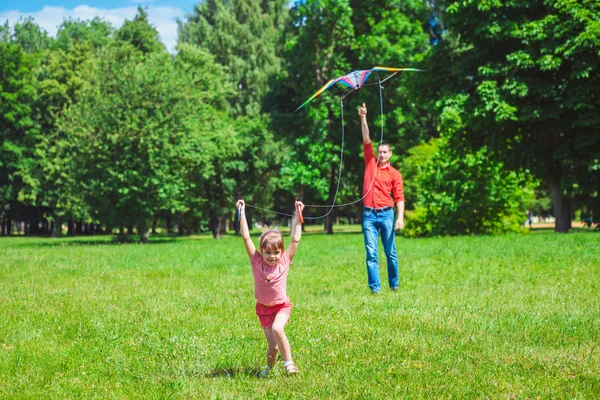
(293, 247)
(250, 248)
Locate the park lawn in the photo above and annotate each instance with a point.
(512, 316)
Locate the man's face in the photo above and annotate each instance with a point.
(383, 154)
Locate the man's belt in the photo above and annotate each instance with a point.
(378, 210)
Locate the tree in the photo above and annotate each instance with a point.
(391, 33)
(140, 129)
(18, 130)
(319, 35)
(245, 38)
(140, 33)
(72, 32)
(29, 36)
(522, 79)
(464, 193)
(215, 185)
(60, 76)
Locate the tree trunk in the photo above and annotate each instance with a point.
(168, 221)
(7, 226)
(57, 226)
(180, 227)
(218, 225)
(144, 231)
(329, 224)
(562, 208)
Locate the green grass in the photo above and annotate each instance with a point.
(475, 317)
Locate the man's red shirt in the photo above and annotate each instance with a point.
(387, 185)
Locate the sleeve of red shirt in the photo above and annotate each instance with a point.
(398, 189)
(368, 152)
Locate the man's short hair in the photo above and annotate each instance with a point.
(385, 144)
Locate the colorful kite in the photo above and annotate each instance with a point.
(355, 80)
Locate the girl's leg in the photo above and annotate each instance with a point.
(281, 339)
(272, 349)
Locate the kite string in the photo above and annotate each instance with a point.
(375, 171)
(337, 189)
(333, 205)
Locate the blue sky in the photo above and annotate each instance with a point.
(50, 13)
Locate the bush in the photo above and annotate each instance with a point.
(468, 193)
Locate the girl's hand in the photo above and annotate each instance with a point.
(240, 203)
(300, 205)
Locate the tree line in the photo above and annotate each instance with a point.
(103, 130)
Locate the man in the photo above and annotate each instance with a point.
(382, 186)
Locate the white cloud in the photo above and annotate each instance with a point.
(50, 18)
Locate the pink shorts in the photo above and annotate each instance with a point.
(267, 314)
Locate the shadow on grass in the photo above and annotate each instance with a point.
(101, 240)
(233, 372)
(574, 229)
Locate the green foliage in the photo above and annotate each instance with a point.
(28, 35)
(414, 166)
(318, 38)
(522, 77)
(18, 130)
(207, 75)
(141, 129)
(60, 76)
(245, 37)
(71, 32)
(139, 33)
(390, 33)
(470, 193)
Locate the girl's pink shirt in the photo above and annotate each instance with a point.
(275, 291)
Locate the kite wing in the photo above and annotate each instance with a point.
(355, 80)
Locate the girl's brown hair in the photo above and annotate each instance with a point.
(271, 240)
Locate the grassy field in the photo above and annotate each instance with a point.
(515, 316)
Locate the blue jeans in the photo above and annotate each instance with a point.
(375, 223)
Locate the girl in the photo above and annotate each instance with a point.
(270, 266)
